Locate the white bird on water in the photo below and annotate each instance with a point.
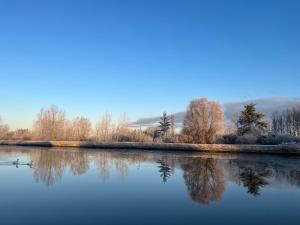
(16, 162)
(30, 164)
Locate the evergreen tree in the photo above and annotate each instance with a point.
(251, 121)
(165, 123)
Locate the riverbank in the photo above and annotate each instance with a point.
(213, 148)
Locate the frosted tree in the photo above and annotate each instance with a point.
(173, 125)
(105, 128)
(164, 124)
(287, 122)
(82, 128)
(3, 129)
(204, 121)
(251, 121)
(50, 124)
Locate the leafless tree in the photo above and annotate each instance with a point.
(20, 134)
(204, 121)
(122, 127)
(82, 128)
(233, 124)
(287, 122)
(173, 125)
(50, 124)
(105, 128)
(3, 129)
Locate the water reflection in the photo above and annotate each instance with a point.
(48, 166)
(253, 180)
(165, 170)
(17, 163)
(205, 176)
(255, 174)
(102, 162)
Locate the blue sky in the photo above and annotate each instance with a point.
(143, 57)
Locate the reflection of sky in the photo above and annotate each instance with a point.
(138, 196)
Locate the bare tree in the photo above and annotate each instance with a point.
(121, 132)
(204, 121)
(287, 122)
(21, 134)
(50, 124)
(123, 124)
(3, 129)
(82, 128)
(105, 128)
(173, 125)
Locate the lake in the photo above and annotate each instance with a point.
(72, 186)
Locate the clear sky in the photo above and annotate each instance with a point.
(143, 57)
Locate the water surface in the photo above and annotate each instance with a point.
(69, 186)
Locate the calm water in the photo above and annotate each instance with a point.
(134, 187)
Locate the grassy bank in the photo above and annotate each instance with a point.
(220, 148)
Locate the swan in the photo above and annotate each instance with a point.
(29, 164)
(16, 162)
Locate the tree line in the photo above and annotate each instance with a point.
(287, 122)
(204, 123)
(52, 124)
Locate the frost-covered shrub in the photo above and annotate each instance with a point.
(131, 136)
(228, 139)
(275, 139)
(183, 138)
(247, 139)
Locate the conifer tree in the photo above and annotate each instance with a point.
(165, 123)
(251, 121)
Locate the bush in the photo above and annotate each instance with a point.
(183, 138)
(127, 135)
(235, 139)
(228, 139)
(275, 139)
(271, 139)
(170, 139)
(247, 139)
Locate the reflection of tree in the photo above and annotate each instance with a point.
(50, 165)
(79, 163)
(288, 175)
(122, 167)
(255, 174)
(204, 178)
(254, 180)
(164, 170)
(102, 160)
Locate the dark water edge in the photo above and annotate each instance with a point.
(80, 186)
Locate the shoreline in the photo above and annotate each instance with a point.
(285, 149)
